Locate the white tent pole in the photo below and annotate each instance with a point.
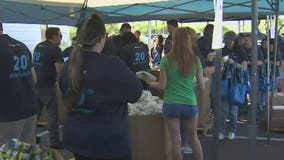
(43, 28)
(244, 25)
(217, 46)
(239, 26)
(149, 33)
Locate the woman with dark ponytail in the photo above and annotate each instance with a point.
(96, 89)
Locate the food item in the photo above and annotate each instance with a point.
(146, 105)
(17, 150)
(146, 76)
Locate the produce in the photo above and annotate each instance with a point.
(146, 105)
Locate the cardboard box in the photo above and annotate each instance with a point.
(278, 99)
(157, 92)
(204, 106)
(281, 85)
(150, 139)
(277, 118)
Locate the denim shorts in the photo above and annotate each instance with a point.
(180, 111)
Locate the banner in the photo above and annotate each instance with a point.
(217, 41)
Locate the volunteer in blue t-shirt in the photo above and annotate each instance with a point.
(157, 50)
(135, 55)
(178, 70)
(17, 96)
(248, 50)
(96, 89)
(125, 27)
(67, 51)
(47, 60)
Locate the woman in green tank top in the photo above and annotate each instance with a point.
(177, 78)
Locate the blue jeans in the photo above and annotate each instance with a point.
(276, 84)
(263, 94)
(233, 111)
(262, 98)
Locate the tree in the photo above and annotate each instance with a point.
(72, 32)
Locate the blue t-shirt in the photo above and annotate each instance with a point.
(168, 44)
(260, 57)
(110, 48)
(99, 127)
(205, 46)
(67, 52)
(156, 55)
(199, 55)
(271, 59)
(45, 56)
(17, 97)
(135, 55)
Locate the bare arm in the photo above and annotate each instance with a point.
(150, 58)
(58, 67)
(244, 65)
(161, 84)
(200, 82)
(209, 70)
(34, 75)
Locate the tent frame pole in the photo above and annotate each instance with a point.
(83, 12)
(252, 116)
(275, 46)
(268, 27)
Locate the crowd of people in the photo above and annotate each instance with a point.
(96, 76)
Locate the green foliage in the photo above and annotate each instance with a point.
(113, 29)
(156, 26)
(140, 26)
(262, 25)
(281, 23)
(160, 27)
(198, 27)
(72, 32)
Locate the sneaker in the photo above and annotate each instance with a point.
(231, 136)
(186, 149)
(221, 136)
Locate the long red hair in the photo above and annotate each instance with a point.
(182, 53)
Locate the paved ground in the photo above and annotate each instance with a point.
(227, 149)
(239, 148)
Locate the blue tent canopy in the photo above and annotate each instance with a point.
(183, 10)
